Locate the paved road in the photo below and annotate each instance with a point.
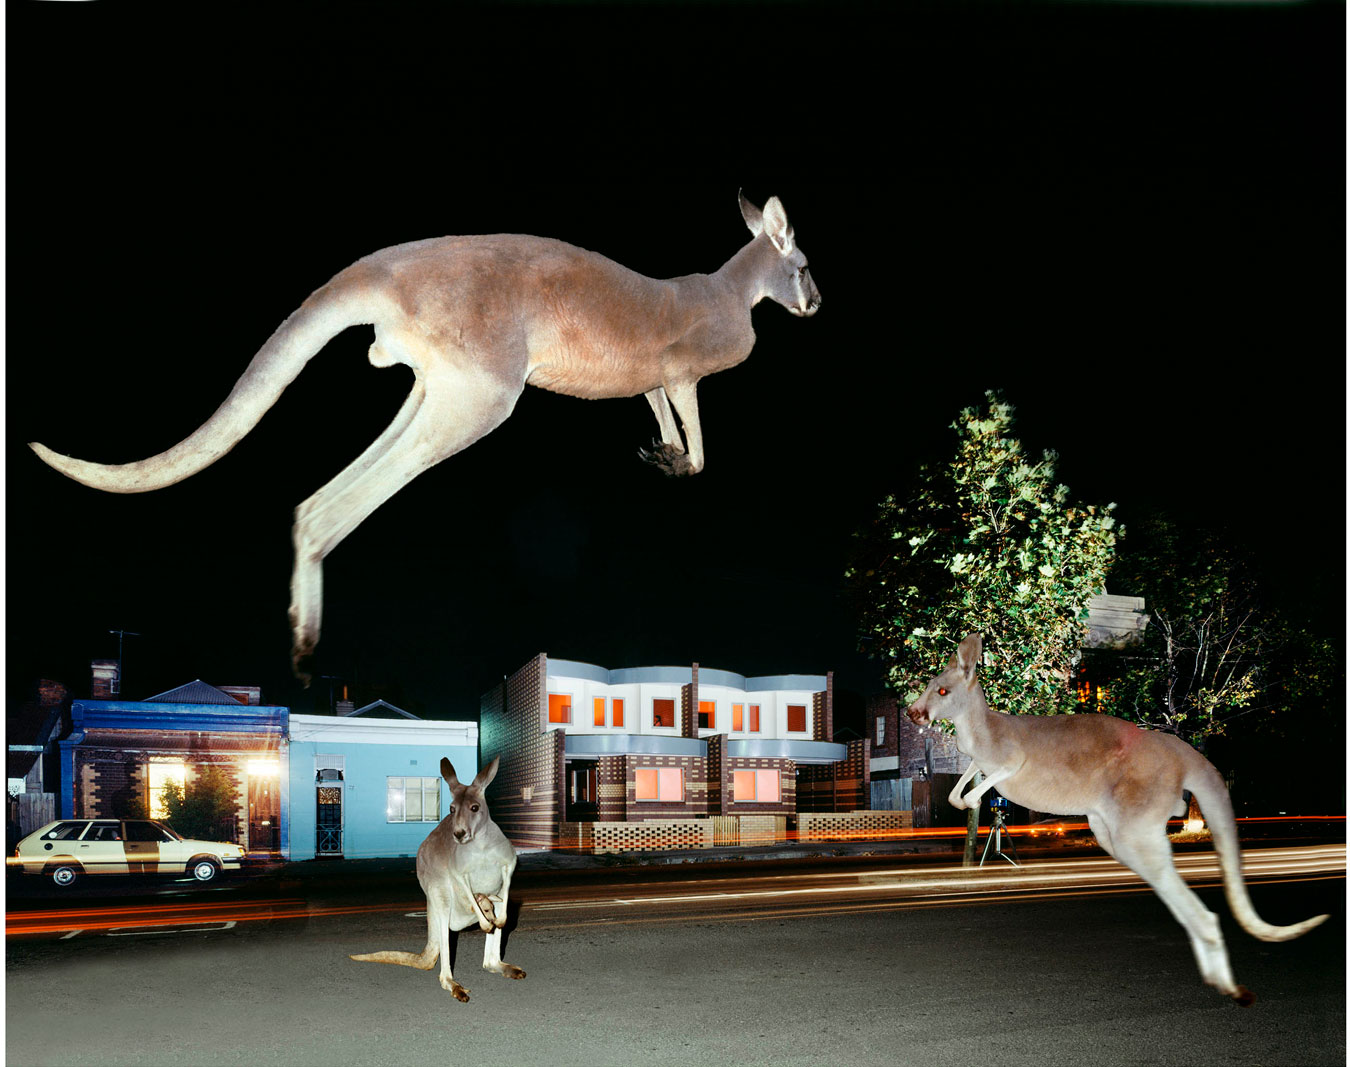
(665, 966)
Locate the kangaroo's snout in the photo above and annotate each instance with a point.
(461, 834)
(918, 715)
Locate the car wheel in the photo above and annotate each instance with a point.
(205, 870)
(65, 875)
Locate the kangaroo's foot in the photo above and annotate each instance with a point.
(1244, 997)
(451, 986)
(666, 458)
(507, 970)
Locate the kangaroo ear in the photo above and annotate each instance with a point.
(968, 654)
(753, 218)
(776, 226)
(448, 773)
(486, 775)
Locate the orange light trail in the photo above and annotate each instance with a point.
(738, 896)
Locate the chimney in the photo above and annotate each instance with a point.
(345, 707)
(106, 683)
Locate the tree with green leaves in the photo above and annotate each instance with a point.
(205, 808)
(991, 543)
(988, 542)
(1214, 651)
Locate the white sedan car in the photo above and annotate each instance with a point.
(68, 849)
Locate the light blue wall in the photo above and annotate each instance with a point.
(366, 833)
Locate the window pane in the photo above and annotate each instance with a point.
(599, 703)
(881, 730)
(754, 718)
(796, 716)
(431, 799)
(663, 713)
(646, 783)
(707, 714)
(766, 787)
(743, 785)
(413, 804)
(394, 804)
(618, 710)
(672, 783)
(559, 707)
(738, 716)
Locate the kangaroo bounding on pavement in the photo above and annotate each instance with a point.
(1128, 781)
(477, 319)
(464, 867)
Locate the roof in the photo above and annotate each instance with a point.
(195, 692)
(381, 709)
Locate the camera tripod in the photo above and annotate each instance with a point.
(998, 805)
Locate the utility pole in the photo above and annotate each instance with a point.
(117, 681)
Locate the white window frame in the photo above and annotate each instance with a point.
(425, 786)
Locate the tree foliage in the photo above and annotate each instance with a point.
(1214, 650)
(987, 542)
(205, 807)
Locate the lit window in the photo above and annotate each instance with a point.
(663, 712)
(737, 717)
(559, 707)
(796, 716)
(413, 800)
(617, 708)
(754, 718)
(659, 783)
(707, 714)
(599, 704)
(881, 730)
(162, 773)
(761, 787)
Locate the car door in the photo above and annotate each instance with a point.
(100, 850)
(144, 846)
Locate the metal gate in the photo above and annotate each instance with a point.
(328, 823)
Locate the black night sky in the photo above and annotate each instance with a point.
(1127, 217)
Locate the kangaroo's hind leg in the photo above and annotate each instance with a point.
(449, 409)
(1142, 846)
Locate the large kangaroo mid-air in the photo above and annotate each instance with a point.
(477, 319)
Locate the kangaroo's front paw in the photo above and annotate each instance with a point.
(451, 986)
(489, 921)
(666, 458)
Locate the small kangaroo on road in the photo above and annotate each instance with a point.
(464, 867)
(1128, 781)
(478, 319)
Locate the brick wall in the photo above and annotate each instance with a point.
(787, 801)
(886, 707)
(822, 705)
(512, 720)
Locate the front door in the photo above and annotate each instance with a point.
(264, 807)
(582, 805)
(328, 824)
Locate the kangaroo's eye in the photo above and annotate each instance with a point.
(474, 807)
(452, 809)
(941, 692)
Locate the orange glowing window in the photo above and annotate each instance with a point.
(663, 712)
(754, 718)
(559, 707)
(616, 706)
(659, 783)
(761, 787)
(599, 704)
(738, 716)
(796, 718)
(707, 714)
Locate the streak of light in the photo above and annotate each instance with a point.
(740, 897)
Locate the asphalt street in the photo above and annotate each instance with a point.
(818, 963)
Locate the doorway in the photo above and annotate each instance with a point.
(582, 804)
(328, 814)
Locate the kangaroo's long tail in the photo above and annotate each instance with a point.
(327, 312)
(1205, 782)
(423, 961)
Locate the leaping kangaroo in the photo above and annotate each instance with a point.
(1127, 781)
(477, 319)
